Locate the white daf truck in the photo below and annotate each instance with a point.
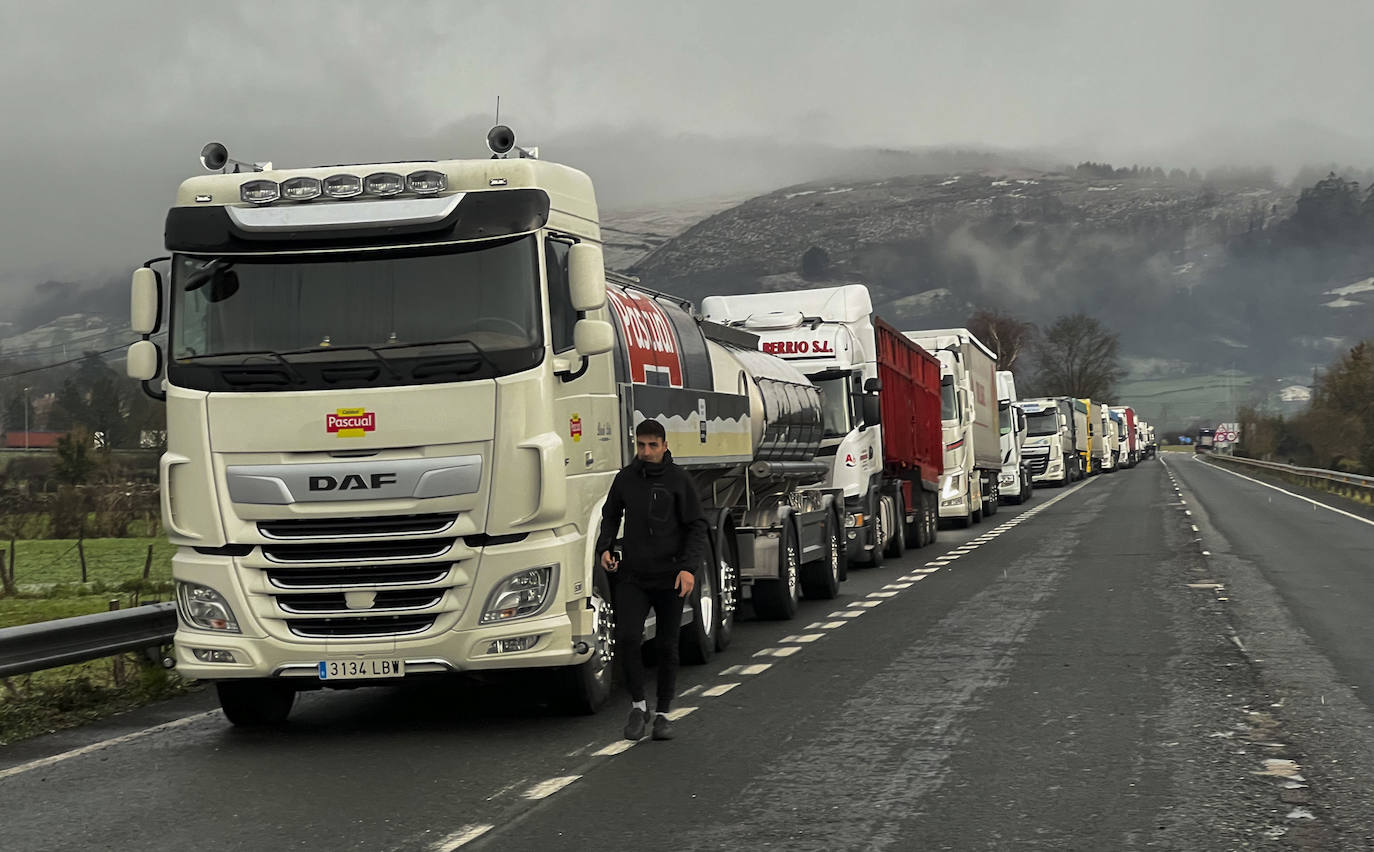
(973, 452)
(396, 397)
(885, 469)
(1106, 446)
(1015, 485)
(1049, 449)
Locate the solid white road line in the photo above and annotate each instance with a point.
(1291, 494)
(103, 744)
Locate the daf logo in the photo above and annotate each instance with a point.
(352, 482)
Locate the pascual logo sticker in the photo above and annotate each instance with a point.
(350, 422)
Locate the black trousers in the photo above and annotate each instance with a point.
(632, 605)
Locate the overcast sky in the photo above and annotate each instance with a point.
(104, 106)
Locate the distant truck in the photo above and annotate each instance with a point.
(1146, 437)
(1111, 440)
(1081, 431)
(1206, 441)
(1092, 443)
(880, 395)
(1049, 449)
(973, 452)
(1015, 485)
(1129, 438)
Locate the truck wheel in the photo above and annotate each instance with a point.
(727, 585)
(880, 528)
(994, 499)
(697, 641)
(778, 598)
(256, 703)
(821, 579)
(919, 530)
(587, 685)
(1027, 487)
(838, 520)
(896, 544)
(932, 518)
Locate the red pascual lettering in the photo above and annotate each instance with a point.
(648, 337)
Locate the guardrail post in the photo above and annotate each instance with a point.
(148, 563)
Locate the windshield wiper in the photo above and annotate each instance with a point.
(395, 374)
(250, 353)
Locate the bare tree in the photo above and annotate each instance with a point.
(1007, 336)
(1078, 357)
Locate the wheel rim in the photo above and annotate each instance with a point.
(603, 619)
(706, 605)
(792, 590)
(835, 555)
(728, 588)
(880, 534)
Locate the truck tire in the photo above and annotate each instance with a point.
(837, 518)
(777, 599)
(256, 703)
(820, 580)
(697, 640)
(932, 517)
(586, 686)
(918, 531)
(1027, 487)
(727, 582)
(896, 543)
(880, 515)
(994, 499)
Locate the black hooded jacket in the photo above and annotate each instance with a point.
(665, 531)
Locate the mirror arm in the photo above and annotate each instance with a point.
(159, 395)
(572, 375)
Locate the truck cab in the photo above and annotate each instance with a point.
(1107, 452)
(1015, 485)
(1049, 447)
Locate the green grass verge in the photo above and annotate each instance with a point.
(71, 696)
(110, 561)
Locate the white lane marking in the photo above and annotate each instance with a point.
(897, 586)
(825, 625)
(847, 613)
(544, 789)
(103, 744)
(674, 715)
(1194, 526)
(1291, 494)
(882, 594)
(867, 604)
(803, 638)
(752, 669)
(719, 690)
(691, 690)
(927, 569)
(935, 564)
(1206, 553)
(615, 748)
(779, 652)
(461, 837)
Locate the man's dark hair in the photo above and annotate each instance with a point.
(651, 428)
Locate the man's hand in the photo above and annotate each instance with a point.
(608, 562)
(684, 584)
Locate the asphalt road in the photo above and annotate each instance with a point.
(1085, 672)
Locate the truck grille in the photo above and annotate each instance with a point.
(360, 626)
(1038, 464)
(306, 577)
(393, 599)
(423, 548)
(305, 528)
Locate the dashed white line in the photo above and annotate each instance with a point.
(825, 625)
(897, 586)
(462, 836)
(544, 789)
(867, 604)
(674, 715)
(803, 639)
(615, 748)
(847, 613)
(882, 594)
(777, 652)
(751, 669)
(719, 690)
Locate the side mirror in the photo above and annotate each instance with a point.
(593, 337)
(144, 360)
(145, 301)
(872, 410)
(586, 278)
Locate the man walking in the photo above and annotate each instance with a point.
(665, 539)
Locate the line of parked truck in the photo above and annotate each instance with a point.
(397, 395)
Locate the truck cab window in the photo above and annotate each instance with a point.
(562, 317)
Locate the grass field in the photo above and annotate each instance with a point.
(1177, 401)
(109, 561)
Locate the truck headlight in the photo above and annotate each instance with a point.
(205, 608)
(519, 595)
(952, 487)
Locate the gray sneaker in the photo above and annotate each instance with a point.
(663, 729)
(634, 726)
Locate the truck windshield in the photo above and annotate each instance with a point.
(836, 411)
(1042, 423)
(1007, 421)
(477, 300)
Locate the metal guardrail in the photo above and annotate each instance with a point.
(48, 644)
(1349, 485)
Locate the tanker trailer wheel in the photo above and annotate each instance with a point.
(586, 686)
(778, 598)
(896, 543)
(256, 703)
(727, 582)
(821, 579)
(697, 641)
